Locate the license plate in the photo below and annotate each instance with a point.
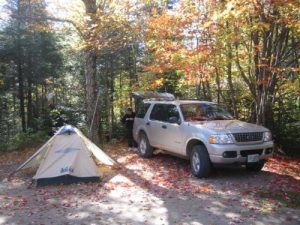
(253, 158)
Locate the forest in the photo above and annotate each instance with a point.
(78, 61)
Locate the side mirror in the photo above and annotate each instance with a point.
(174, 119)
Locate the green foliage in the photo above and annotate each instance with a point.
(287, 129)
(22, 140)
(290, 139)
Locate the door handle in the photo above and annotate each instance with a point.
(164, 126)
(148, 123)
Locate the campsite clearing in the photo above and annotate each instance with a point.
(156, 191)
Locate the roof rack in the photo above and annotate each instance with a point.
(156, 96)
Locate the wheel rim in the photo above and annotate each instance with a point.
(196, 162)
(143, 146)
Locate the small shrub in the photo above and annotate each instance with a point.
(22, 140)
(288, 198)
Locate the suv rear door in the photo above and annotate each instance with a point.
(164, 128)
(154, 125)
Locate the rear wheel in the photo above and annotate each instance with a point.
(200, 162)
(255, 167)
(144, 147)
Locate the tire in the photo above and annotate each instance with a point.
(144, 148)
(200, 162)
(255, 167)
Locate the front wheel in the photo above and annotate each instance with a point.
(200, 162)
(144, 147)
(255, 167)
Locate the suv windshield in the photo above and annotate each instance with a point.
(204, 111)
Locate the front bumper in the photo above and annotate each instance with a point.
(238, 153)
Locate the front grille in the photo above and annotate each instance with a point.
(248, 137)
(245, 153)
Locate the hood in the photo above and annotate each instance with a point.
(228, 126)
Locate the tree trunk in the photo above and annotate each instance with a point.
(218, 85)
(198, 90)
(111, 96)
(92, 111)
(229, 78)
(209, 95)
(29, 104)
(20, 73)
(265, 78)
(21, 94)
(204, 91)
(108, 64)
(37, 103)
(259, 88)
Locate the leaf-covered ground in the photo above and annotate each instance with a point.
(155, 191)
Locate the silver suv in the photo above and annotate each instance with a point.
(202, 132)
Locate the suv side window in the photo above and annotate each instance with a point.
(164, 112)
(158, 112)
(142, 110)
(172, 113)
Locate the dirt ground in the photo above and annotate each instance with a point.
(154, 191)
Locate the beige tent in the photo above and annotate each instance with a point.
(67, 158)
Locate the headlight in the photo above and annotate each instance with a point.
(267, 136)
(220, 139)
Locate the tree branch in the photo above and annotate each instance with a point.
(245, 78)
(52, 19)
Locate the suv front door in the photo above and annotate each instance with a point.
(172, 134)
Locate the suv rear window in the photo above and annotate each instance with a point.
(143, 108)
